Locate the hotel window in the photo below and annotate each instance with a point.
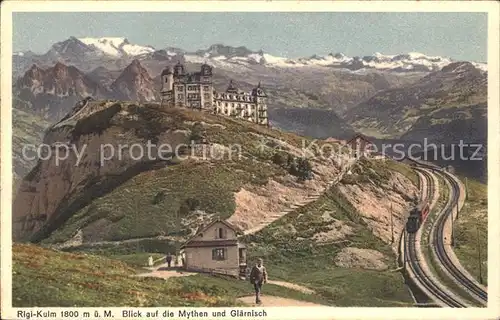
(219, 254)
(206, 96)
(206, 88)
(180, 88)
(180, 96)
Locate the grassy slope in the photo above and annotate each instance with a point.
(130, 208)
(303, 261)
(472, 218)
(47, 278)
(138, 260)
(133, 215)
(377, 171)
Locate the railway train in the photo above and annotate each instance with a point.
(417, 216)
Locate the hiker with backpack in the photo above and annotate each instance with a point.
(258, 276)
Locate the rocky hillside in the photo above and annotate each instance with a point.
(104, 76)
(51, 92)
(135, 84)
(341, 245)
(445, 106)
(27, 132)
(124, 204)
(79, 195)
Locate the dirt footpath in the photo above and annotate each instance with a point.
(165, 274)
(273, 301)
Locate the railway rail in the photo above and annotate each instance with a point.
(462, 278)
(424, 279)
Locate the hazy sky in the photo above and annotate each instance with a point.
(456, 35)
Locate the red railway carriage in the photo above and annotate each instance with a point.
(417, 216)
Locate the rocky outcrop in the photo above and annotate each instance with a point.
(53, 91)
(134, 84)
(76, 170)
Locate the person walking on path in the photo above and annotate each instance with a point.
(169, 259)
(258, 276)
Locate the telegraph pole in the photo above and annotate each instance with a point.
(404, 250)
(177, 230)
(466, 189)
(479, 256)
(392, 227)
(452, 240)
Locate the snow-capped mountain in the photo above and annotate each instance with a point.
(409, 62)
(78, 50)
(117, 46)
(332, 81)
(113, 47)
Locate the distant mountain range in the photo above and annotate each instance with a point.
(405, 96)
(219, 55)
(446, 106)
(113, 67)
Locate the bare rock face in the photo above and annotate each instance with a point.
(90, 152)
(376, 200)
(53, 90)
(134, 83)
